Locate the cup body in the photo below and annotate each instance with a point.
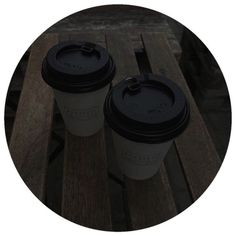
(82, 112)
(146, 113)
(80, 74)
(139, 160)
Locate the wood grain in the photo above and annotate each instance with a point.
(31, 131)
(195, 147)
(149, 202)
(85, 197)
(85, 188)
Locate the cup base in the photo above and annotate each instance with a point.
(86, 133)
(137, 173)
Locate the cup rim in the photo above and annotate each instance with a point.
(72, 80)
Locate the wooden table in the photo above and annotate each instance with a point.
(87, 195)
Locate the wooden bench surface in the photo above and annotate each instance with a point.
(32, 126)
(189, 168)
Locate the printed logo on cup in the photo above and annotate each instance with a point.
(82, 114)
(139, 159)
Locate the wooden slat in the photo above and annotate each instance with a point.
(32, 127)
(85, 197)
(178, 183)
(195, 147)
(174, 170)
(149, 202)
(85, 189)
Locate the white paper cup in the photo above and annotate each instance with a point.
(80, 74)
(139, 160)
(146, 113)
(82, 113)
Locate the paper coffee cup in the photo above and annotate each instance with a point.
(80, 74)
(146, 113)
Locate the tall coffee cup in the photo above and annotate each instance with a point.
(80, 74)
(146, 113)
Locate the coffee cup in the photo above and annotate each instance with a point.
(80, 74)
(146, 113)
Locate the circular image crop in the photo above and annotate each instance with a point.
(117, 118)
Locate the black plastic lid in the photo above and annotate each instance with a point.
(77, 67)
(147, 108)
